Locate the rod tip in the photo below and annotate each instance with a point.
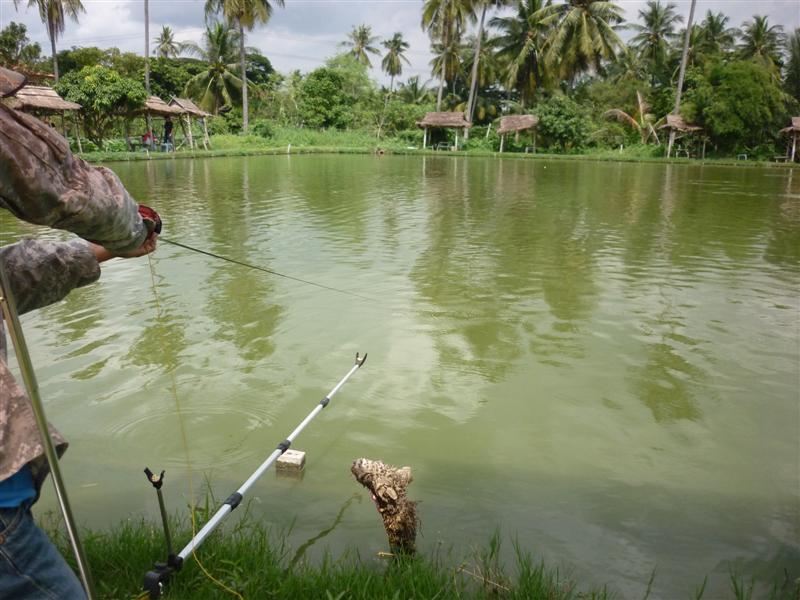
(360, 361)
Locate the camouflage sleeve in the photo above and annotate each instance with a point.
(43, 183)
(42, 272)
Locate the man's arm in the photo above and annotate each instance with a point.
(43, 183)
(42, 272)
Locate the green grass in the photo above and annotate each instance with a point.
(257, 562)
(308, 141)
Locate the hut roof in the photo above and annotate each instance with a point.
(514, 123)
(794, 127)
(189, 107)
(157, 106)
(444, 119)
(39, 97)
(677, 123)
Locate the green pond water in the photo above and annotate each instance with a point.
(599, 360)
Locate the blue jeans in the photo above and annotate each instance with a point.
(30, 566)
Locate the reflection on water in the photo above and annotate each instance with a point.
(600, 359)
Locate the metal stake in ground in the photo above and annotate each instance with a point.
(155, 580)
(8, 308)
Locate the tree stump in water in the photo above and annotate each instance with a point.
(388, 487)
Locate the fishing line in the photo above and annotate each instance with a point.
(184, 439)
(270, 271)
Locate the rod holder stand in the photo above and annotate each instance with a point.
(157, 578)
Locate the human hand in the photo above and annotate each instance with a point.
(102, 254)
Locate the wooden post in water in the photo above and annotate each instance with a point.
(387, 485)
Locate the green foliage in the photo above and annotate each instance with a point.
(169, 76)
(322, 101)
(399, 116)
(562, 122)
(103, 95)
(15, 47)
(78, 58)
(258, 67)
(262, 128)
(739, 103)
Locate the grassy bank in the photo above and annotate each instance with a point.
(307, 141)
(254, 562)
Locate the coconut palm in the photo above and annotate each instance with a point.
(654, 35)
(762, 42)
(165, 45)
(583, 35)
(361, 43)
(244, 15)
(447, 62)
(392, 62)
(793, 64)
(444, 20)
(717, 37)
(643, 121)
(218, 85)
(53, 14)
(521, 46)
(413, 91)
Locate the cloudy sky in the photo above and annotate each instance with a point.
(304, 33)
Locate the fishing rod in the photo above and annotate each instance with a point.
(8, 312)
(156, 579)
(270, 271)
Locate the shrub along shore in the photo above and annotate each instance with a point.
(300, 141)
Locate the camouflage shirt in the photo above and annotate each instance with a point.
(43, 183)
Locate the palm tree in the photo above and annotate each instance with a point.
(444, 20)
(242, 14)
(165, 44)
(392, 63)
(793, 64)
(53, 14)
(218, 85)
(762, 42)
(642, 122)
(583, 35)
(361, 43)
(413, 91)
(716, 36)
(521, 45)
(654, 35)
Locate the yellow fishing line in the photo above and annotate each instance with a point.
(184, 439)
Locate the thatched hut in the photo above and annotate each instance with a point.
(515, 124)
(676, 124)
(190, 109)
(153, 106)
(794, 130)
(443, 120)
(43, 100)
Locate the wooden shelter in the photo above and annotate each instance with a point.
(681, 128)
(443, 120)
(794, 130)
(41, 99)
(190, 109)
(38, 98)
(515, 124)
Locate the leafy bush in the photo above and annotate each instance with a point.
(262, 128)
(562, 122)
(218, 126)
